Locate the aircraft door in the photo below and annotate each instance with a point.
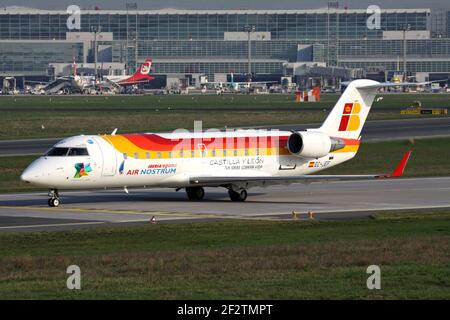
(109, 166)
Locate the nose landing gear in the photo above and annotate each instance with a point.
(54, 198)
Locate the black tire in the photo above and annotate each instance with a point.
(54, 202)
(240, 196)
(195, 193)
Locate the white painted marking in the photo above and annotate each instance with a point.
(356, 210)
(51, 225)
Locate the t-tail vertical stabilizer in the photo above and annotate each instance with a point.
(347, 118)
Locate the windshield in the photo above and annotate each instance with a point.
(77, 152)
(57, 152)
(70, 152)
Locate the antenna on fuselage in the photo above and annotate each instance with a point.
(114, 132)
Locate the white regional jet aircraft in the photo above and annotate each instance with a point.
(235, 160)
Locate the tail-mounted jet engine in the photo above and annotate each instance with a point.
(313, 145)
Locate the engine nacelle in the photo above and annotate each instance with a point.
(312, 145)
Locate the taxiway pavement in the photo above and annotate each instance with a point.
(337, 200)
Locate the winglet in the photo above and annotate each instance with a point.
(398, 172)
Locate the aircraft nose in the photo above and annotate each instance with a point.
(30, 175)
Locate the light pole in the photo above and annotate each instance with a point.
(405, 48)
(96, 30)
(132, 6)
(250, 29)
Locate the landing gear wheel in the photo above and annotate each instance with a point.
(54, 202)
(240, 196)
(195, 193)
(54, 198)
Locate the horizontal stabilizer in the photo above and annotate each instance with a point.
(393, 84)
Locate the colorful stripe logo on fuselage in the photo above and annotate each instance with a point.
(152, 146)
(82, 170)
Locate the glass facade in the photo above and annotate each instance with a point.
(275, 49)
(187, 41)
(448, 24)
(431, 48)
(185, 25)
(412, 66)
(32, 58)
(432, 55)
(212, 67)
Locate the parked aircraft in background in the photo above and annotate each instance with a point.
(85, 84)
(141, 76)
(239, 86)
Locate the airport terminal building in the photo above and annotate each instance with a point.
(275, 43)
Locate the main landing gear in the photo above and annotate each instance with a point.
(54, 198)
(195, 193)
(198, 193)
(238, 196)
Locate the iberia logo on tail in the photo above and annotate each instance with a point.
(350, 120)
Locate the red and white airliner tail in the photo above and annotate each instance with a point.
(141, 76)
(235, 160)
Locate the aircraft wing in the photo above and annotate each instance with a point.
(400, 84)
(38, 82)
(242, 83)
(215, 181)
(218, 181)
(262, 82)
(218, 82)
(255, 82)
(131, 83)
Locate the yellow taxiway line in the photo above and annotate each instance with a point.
(142, 213)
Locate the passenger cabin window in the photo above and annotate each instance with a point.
(70, 152)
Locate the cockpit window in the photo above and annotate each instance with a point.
(57, 152)
(70, 152)
(77, 152)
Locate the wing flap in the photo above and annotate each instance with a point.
(214, 181)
